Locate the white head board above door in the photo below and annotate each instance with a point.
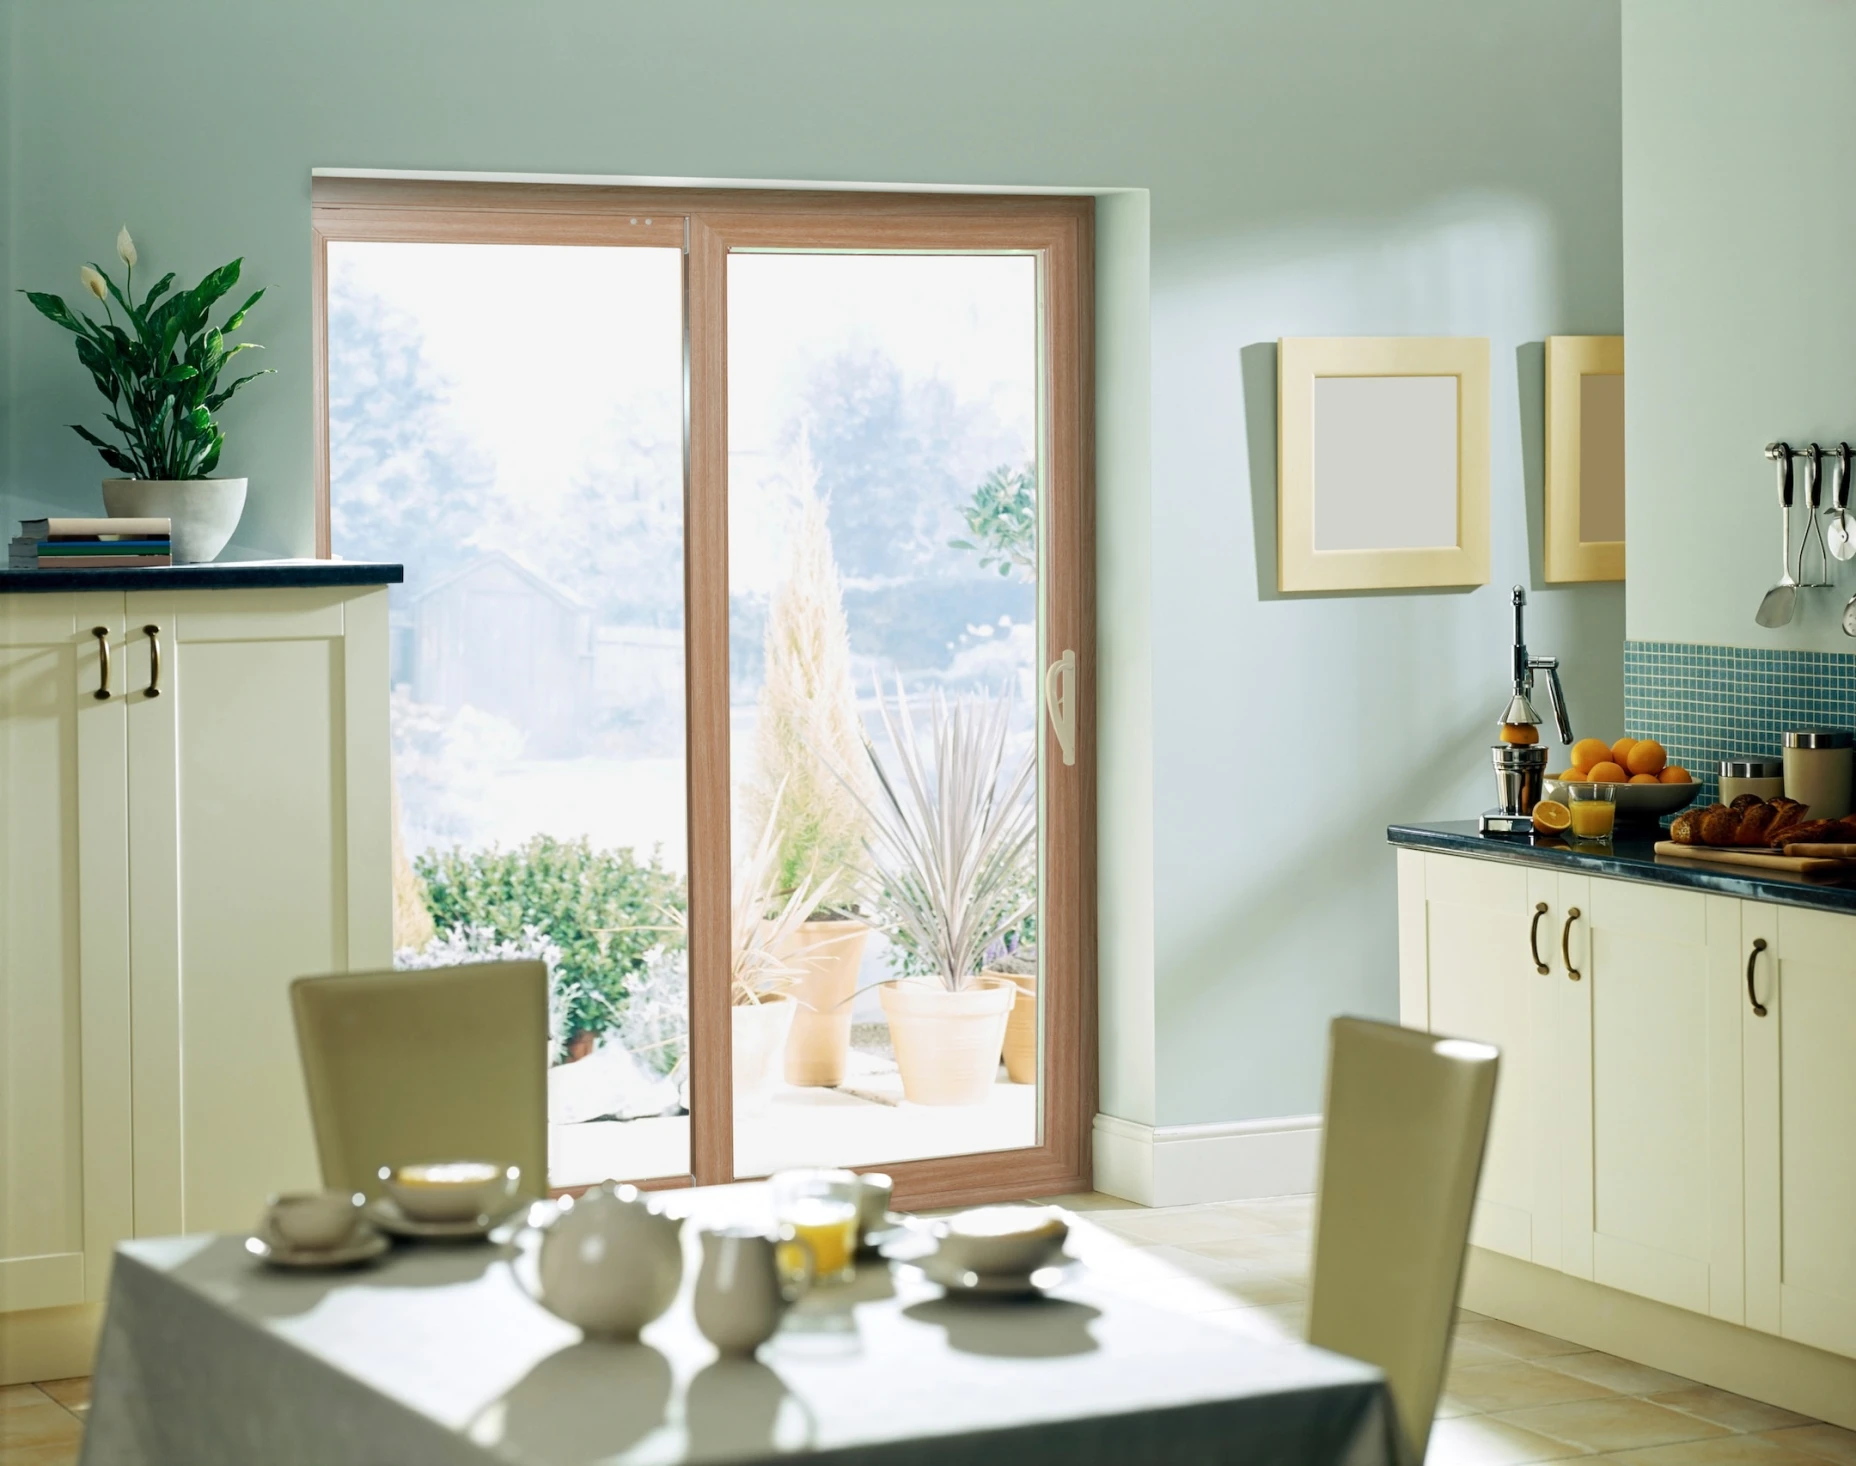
(1382, 462)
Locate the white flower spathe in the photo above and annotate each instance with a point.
(125, 247)
(93, 282)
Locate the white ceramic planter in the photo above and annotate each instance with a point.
(760, 1031)
(825, 956)
(204, 511)
(948, 1044)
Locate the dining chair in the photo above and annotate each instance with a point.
(446, 1063)
(1401, 1152)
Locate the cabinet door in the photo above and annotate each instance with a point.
(259, 838)
(1801, 1126)
(1482, 982)
(64, 951)
(1651, 1075)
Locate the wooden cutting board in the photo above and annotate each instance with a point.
(1827, 852)
(1798, 865)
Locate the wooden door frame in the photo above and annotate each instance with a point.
(708, 224)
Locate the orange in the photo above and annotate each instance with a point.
(1550, 814)
(1675, 774)
(1645, 779)
(1577, 774)
(1620, 751)
(1588, 752)
(1520, 733)
(1607, 773)
(1647, 757)
(1559, 778)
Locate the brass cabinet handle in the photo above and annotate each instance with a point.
(1533, 939)
(154, 660)
(102, 634)
(1759, 945)
(1572, 915)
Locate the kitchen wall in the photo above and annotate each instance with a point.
(1739, 217)
(1331, 167)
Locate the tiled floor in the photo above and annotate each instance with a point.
(1512, 1395)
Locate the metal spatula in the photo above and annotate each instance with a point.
(1781, 601)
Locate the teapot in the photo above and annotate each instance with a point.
(608, 1263)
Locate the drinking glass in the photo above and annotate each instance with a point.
(1594, 813)
(821, 1208)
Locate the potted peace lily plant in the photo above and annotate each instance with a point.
(951, 834)
(159, 368)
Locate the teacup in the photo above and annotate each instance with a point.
(1002, 1239)
(450, 1191)
(873, 1196)
(317, 1220)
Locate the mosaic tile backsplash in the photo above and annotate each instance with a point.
(1707, 703)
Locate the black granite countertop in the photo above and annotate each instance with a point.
(221, 575)
(1632, 859)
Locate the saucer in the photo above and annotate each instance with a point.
(384, 1212)
(915, 1253)
(364, 1245)
(1060, 1270)
(893, 1230)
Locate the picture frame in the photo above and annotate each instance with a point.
(1583, 527)
(1382, 463)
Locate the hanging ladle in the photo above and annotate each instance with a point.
(1782, 600)
(1842, 531)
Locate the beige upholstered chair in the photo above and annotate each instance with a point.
(1401, 1151)
(447, 1063)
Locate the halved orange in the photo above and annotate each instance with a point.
(1550, 816)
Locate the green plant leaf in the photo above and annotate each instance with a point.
(219, 399)
(156, 291)
(237, 317)
(211, 460)
(54, 309)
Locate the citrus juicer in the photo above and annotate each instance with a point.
(1520, 768)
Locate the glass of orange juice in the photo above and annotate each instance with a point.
(821, 1208)
(1594, 813)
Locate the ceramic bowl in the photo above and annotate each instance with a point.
(314, 1219)
(450, 1191)
(1001, 1239)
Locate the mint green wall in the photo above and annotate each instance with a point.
(1332, 166)
(1739, 241)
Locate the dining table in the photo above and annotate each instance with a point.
(439, 1354)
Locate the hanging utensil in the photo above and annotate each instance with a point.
(1814, 499)
(1782, 600)
(1842, 531)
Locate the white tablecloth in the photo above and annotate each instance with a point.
(437, 1356)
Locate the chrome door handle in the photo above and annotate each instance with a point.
(1759, 1008)
(102, 634)
(154, 660)
(1572, 915)
(1060, 702)
(1533, 939)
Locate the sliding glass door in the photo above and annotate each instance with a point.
(741, 670)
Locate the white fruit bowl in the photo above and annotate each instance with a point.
(1638, 804)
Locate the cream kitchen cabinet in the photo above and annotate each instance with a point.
(1656, 1133)
(1476, 947)
(1800, 1066)
(175, 854)
(1648, 1091)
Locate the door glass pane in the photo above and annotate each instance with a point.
(507, 421)
(883, 601)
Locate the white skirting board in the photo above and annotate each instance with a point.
(1176, 1165)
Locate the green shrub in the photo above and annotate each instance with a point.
(604, 909)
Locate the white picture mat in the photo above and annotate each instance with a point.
(1384, 460)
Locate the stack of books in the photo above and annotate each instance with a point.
(92, 544)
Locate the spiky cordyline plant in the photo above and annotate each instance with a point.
(949, 832)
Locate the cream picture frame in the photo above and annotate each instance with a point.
(1584, 512)
(1382, 464)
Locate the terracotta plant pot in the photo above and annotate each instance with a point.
(827, 954)
(204, 511)
(1021, 1029)
(581, 1044)
(760, 1031)
(948, 1044)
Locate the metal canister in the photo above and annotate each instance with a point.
(1763, 778)
(1818, 763)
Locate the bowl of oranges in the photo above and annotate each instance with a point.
(1649, 787)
